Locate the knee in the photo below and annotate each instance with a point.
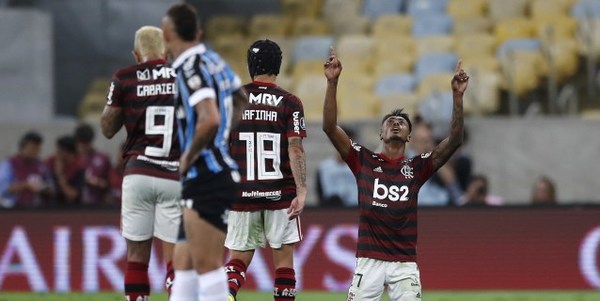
(203, 265)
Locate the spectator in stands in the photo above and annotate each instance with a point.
(462, 164)
(477, 193)
(25, 180)
(544, 192)
(67, 173)
(336, 185)
(96, 165)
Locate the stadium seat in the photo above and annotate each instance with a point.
(586, 10)
(287, 48)
(399, 63)
(94, 99)
(481, 63)
(306, 68)
(433, 63)
(513, 28)
(355, 83)
(312, 48)
(373, 9)
(355, 46)
(396, 83)
(554, 27)
(431, 25)
(349, 25)
(346, 8)
(472, 25)
(563, 58)
(517, 45)
(311, 91)
(231, 47)
(394, 55)
(520, 72)
(430, 44)
(588, 37)
(436, 109)
(548, 8)
(435, 83)
(301, 8)
(308, 26)
(464, 9)
(358, 106)
(392, 25)
(425, 7)
(483, 95)
(409, 102)
(264, 25)
(224, 25)
(503, 9)
(475, 44)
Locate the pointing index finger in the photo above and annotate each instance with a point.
(458, 66)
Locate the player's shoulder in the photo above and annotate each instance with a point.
(130, 71)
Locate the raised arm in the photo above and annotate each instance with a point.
(337, 136)
(443, 151)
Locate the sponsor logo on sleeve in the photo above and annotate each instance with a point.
(425, 155)
(296, 116)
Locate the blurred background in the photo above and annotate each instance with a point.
(532, 107)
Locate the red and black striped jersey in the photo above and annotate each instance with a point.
(145, 93)
(387, 197)
(259, 145)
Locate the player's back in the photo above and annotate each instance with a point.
(145, 93)
(260, 147)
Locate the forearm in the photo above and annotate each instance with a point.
(455, 137)
(330, 107)
(111, 121)
(203, 134)
(298, 166)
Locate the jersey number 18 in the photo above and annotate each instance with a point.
(257, 156)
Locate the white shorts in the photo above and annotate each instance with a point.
(150, 207)
(371, 276)
(250, 230)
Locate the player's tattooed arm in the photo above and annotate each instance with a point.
(298, 166)
(443, 151)
(111, 121)
(240, 103)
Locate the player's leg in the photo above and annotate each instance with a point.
(404, 282)
(282, 234)
(244, 235)
(368, 280)
(137, 220)
(166, 222)
(185, 287)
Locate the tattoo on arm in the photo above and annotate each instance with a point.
(111, 121)
(298, 162)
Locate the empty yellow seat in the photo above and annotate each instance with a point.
(430, 44)
(475, 44)
(301, 8)
(480, 63)
(483, 95)
(472, 25)
(224, 25)
(345, 24)
(306, 68)
(462, 9)
(554, 27)
(264, 25)
(520, 72)
(311, 91)
(503, 9)
(408, 102)
(513, 28)
(403, 62)
(358, 106)
(435, 83)
(549, 8)
(308, 26)
(392, 25)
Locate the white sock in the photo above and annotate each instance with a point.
(185, 286)
(213, 285)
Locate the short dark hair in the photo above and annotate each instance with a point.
(398, 113)
(30, 137)
(66, 143)
(84, 133)
(185, 20)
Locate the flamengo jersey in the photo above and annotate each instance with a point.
(202, 74)
(145, 93)
(259, 145)
(387, 197)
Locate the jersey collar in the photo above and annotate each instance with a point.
(198, 49)
(264, 83)
(384, 157)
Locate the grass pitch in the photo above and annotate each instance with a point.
(323, 296)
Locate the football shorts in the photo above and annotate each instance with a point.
(250, 230)
(372, 275)
(150, 207)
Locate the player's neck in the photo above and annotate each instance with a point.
(264, 78)
(149, 58)
(393, 150)
(177, 50)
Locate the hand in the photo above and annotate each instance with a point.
(460, 81)
(297, 205)
(184, 163)
(333, 66)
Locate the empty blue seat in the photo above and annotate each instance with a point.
(431, 24)
(586, 9)
(397, 83)
(375, 8)
(312, 48)
(420, 7)
(435, 62)
(517, 45)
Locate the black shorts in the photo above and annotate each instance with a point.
(211, 198)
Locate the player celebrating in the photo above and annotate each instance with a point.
(388, 187)
(267, 145)
(208, 93)
(141, 98)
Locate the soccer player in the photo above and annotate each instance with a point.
(209, 93)
(388, 185)
(267, 145)
(140, 97)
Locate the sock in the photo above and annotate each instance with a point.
(285, 285)
(236, 274)
(185, 286)
(213, 285)
(137, 285)
(169, 278)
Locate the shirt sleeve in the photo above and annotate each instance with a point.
(423, 166)
(197, 82)
(353, 158)
(296, 127)
(114, 97)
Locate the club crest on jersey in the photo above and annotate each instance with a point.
(407, 171)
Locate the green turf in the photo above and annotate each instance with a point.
(322, 296)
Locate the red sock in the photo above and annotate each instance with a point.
(169, 277)
(137, 286)
(285, 285)
(236, 275)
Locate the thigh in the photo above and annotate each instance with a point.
(368, 280)
(168, 211)
(403, 280)
(205, 242)
(245, 231)
(280, 230)
(137, 209)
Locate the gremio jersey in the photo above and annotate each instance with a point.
(259, 145)
(387, 197)
(202, 74)
(145, 94)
